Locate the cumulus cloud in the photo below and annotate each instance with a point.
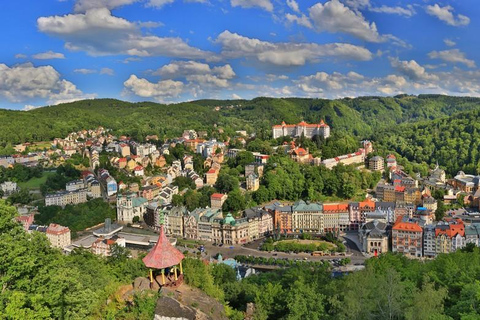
(334, 16)
(286, 53)
(48, 55)
(20, 56)
(236, 96)
(85, 71)
(263, 4)
(84, 5)
(449, 42)
(25, 81)
(446, 15)
(411, 69)
(302, 20)
(452, 55)
(98, 32)
(29, 107)
(160, 91)
(292, 4)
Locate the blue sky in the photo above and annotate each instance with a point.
(178, 50)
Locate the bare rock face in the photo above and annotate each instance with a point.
(249, 314)
(171, 309)
(141, 284)
(185, 302)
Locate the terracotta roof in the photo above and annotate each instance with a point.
(335, 207)
(367, 203)
(163, 254)
(54, 228)
(138, 168)
(217, 196)
(406, 226)
(399, 189)
(212, 171)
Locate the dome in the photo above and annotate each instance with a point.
(229, 219)
(461, 173)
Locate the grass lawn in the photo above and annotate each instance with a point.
(316, 242)
(40, 145)
(35, 183)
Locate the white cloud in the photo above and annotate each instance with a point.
(334, 16)
(99, 33)
(29, 107)
(84, 5)
(286, 53)
(48, 55)
(407, 12)
(449, 42)
(411, 69)
(107, 71)
(236, 96)
(446, 15)
(301, 20)
(452, 55)
(25, 81)
(20, 56)
(158, 3)
(85, 71)
(293, 5)
(160, 91)
(198, 75)
(263, 4)
(273, 77)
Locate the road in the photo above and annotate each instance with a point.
(227, 252)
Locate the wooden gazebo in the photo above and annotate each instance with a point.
(163, 257)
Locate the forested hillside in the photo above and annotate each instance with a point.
(360, 116)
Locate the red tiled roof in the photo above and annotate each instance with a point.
(217, 196)
(138, 168)
(406, 226)
(212, 171)
(335, 207)
(399, 189)
(163, 255)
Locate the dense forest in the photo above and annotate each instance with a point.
(360, 116)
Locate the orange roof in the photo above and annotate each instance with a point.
(300, 151)
(399, 189)
(217, 196)
(367, 204)
(212, 171)
(138, 168)
(335, 207)
(406, 226)
(452, 231)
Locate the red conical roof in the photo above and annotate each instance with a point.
(163, 255)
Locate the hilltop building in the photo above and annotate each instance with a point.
(297, 130)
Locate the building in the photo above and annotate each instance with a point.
(103, 247)
(230, 231)
(75, 185)
(130, 206)
(59, 236)
(376, 163)
(217, 200)
(253, 182)
(62, 198)
(8, 187)
(466, 182)
(174, 225)
(205, 221)
(429, 241)
(351, 158)
(373, 237)
(407, 237)
(211, 177)
(307, 217)
(297, 130)
(391, 161)
(336, 217)
(25, 220)
(449, 236)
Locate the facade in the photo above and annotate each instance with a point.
(253, 182)
(129, 206)
(373, 237)
(59, 236)
(75, 185)
(297, 130)
(450, 236)
(466, 182)
(307, 217)
(407, 237)
(174, 220)
(8, 187)
(103, 247)
(211, 177)
(62, 198)
(429, 241)
(230, 231)
(217, 200)
(376, 163)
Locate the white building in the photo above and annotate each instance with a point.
(129, 206)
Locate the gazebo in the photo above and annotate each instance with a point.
(165, 256)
